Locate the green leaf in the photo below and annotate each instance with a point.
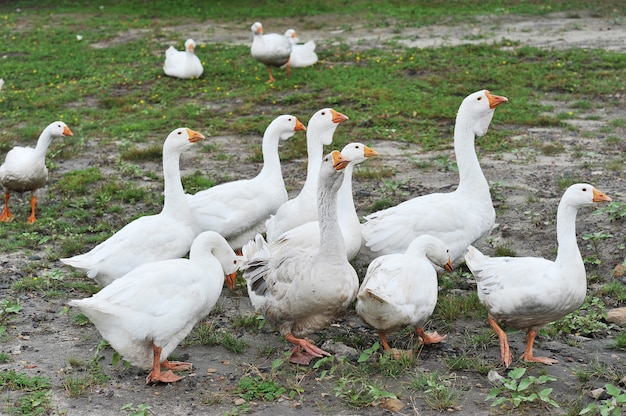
(498, 402)
(612, 390)
(517, 373)
(524, 384)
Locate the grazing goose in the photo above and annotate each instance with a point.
(24, 169)
(238, 210)
(146, 313)
(529, 292)
(302, 54)
(183, 64)
(400, 290)
(457, 218)
(1, 84)
(166, 235)
(271, 49)
(307, 235)
(303, 208)
(302, 291)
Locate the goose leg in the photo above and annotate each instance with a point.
(156, 375)
(429, 337)
(33, 203)
(304, 351)
(383, 340)
(507, 358)
(528, 353)
(6, 215)
(269, 71)
(176, 365)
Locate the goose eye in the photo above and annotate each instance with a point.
(323, 113)
(480, 98)
(179, 133)
(584, 189)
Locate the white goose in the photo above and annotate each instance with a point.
(303, 208)
(1, 84)
(306, 236)
(238, 210)
(166, 235)
(24, 169)
(271, 49)
(146, 313)
(400, 290)
(301, 291)
(302, 54)
(183, 64)
(529, 292)
(457, 218)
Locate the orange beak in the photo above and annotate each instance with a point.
(339, 162)
(600, 196)
(369, 152)
(194, 136)
(299, 126)
(67, 131)
(495, 100)
(448, 266)
(338, 117)
(231, 279)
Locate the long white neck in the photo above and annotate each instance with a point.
(271, 160)
(315, 149)
(471, 175)
(567, 250)
(345, 199)
(175, 201)
(43, 142)
(331, 239)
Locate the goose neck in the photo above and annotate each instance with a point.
(173, 192)
(330, 234)
(567, 250)
(471, 176)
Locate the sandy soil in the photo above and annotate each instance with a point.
(43, 340)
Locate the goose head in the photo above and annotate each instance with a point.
(357, 152)
(180, 139)
(58, 129)
(436, 251)
(257, 28)
(291, 35)
(583, 195)
(286, 125)
(190, 45)
(480, 107)
(324, 123)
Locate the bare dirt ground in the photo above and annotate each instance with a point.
(43, 340)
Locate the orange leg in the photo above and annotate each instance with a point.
(528, 353)
(156, 375)
(269, 71)
(6, 215)
(429, 337)
(383, 340)
(176, 365)
(304, 351)
(507, 358)
(33, 203)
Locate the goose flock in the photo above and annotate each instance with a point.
(161, 274)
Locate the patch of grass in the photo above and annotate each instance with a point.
(137, 154)
(257, 388)
(588, 320)
(505, 251)
(196, 182)
(517, 391)
(207, 334)
(436, 389)
(452, 307)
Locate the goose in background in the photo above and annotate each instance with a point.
(302, 291)
(303, 208)
(302, 54)
(24, 169)
(166, 235)
(271, 49)
(457, 218)
(146, 313)
(183, 64)
(529, 292)
(400, 289)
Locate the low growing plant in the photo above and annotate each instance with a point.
(613, 406)
(516, 390)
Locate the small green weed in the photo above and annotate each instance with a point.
(357, 391)
(588, 320)
(139, 410)
(251, 388)
(615, 210)
(613, 406)
(516, 390)
(437, 390)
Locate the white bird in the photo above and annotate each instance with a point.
(183, 64)
(166, 235)
(458, 218)
(238, 209)
(303, 208)
(400, 290)
(146, 313)
(529, 292)
(307, 236)
(302, 54)
(302, 291)
(1, 84)
(271, 49)
(24, 169)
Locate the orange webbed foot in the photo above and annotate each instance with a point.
(176, 365)
(429, 337)
(304, 351)
(163, 377)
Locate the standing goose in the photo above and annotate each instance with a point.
(400, 290)
(166, 235)
(307, 235)
(302, 54)
(183, 64)
(303, 208)
(529, 292)
(238, 210)
(24, 169)
(301, 291)
(271, 49)
(457, 218)
(146, 313)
